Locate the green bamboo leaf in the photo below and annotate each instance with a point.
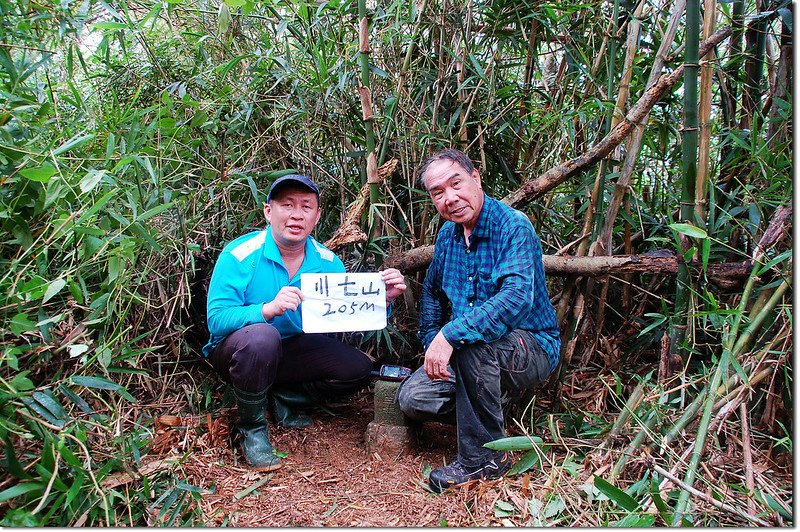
(663, 509)
(12, 463)
(176, 512)
(514, 443)
(20, 518)
(8, 65)
(775, 261)
(99, 204)
(477, 66)
(615, 494)
(252, 487)
(227, 67)
(49, 402)
(42, 174)
(145, 163)
(90, 180)
(705, 251)
(53, 289)
(139, 230)
(158, 209)
(20, 489)
(527, 461)
(504, 509)
(786, 17)
(109, 26)
(253, 187)
(49, 409)
(739, 370)
(74, 489)
(689, 230)
(21, 382)
(775, 505)
(185, 486)
(199, 118)
(635, 521)
(99, 383)
(76, 399)
(21, 324)
(72, 143)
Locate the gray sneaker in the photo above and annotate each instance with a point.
(456, 473)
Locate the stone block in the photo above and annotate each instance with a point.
(388, 432)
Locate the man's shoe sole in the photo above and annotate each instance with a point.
(265, 468)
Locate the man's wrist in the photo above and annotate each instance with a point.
(443, 334)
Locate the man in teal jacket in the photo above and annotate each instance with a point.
(257, 341)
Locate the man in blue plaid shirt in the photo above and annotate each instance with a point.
(500, 337)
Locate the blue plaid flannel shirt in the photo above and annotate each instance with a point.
(491, 288)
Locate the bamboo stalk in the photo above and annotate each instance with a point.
(676, 520)
(730, 349)
(747, 336)
(644, 431)
(755, 49)
(706, 75)
(625, 414)
(635, 141)
(681, 314)
(560, 173)
(365, 95)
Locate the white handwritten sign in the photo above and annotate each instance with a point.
(342, 302)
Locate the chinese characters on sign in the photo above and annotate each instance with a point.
(343, 302)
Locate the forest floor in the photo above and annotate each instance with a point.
(330, 478)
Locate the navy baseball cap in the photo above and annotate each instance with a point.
(292, 179)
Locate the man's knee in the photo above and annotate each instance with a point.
(421, 399)
(255, 343)
(248, 358)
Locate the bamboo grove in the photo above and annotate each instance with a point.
(650, 143)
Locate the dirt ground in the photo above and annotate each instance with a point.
(330, 479)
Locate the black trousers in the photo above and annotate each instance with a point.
(255, 358)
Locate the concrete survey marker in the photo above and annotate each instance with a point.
(388, 432)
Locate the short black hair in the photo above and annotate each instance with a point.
(450, 154)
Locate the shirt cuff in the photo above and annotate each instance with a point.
(452, 336)
(255, 314)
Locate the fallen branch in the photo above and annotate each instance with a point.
(147, 468)
(727, 274)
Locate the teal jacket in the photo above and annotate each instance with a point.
(249, 273)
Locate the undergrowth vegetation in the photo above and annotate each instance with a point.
(137, 138)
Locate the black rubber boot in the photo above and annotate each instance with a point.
(252, 426)
(281, 402)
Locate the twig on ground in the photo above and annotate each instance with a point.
(748, 458)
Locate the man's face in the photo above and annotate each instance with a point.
(293, 214)
(456, 193)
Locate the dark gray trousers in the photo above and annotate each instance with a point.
(486, 377)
